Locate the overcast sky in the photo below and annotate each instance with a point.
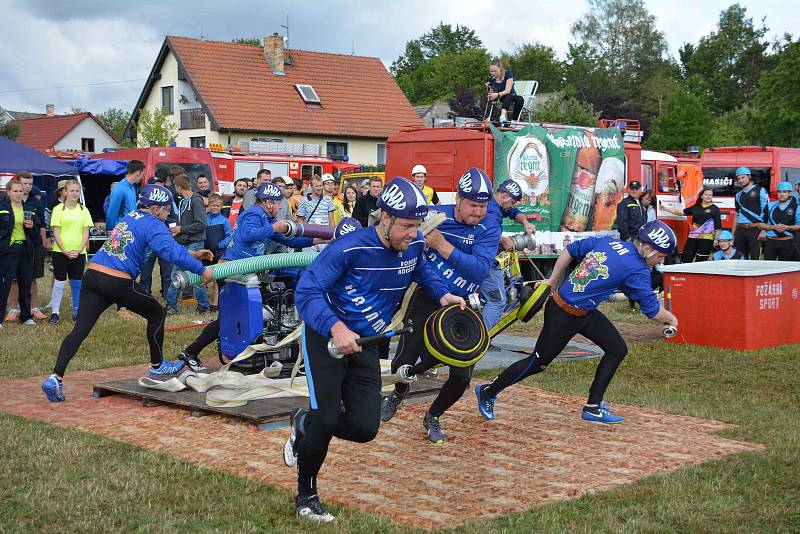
(52, 44)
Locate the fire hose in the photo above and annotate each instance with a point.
(184, 279)
(456, 337)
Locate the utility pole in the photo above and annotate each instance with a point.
(286, 27)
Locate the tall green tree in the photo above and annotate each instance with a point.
(684, 120)
(565, 109)
(254, 41)
(776, 107)
(443, 39)
(116, 120)
(155, 129)
(7, 128)
(535, 61)
(725, 65)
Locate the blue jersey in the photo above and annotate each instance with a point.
(122, 200)
(131, 240)
(607, 266)
(252, 234)
(475, 250)
(787, 213)
(495, 214)
(359, 281)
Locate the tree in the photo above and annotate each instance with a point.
(154, 129)
(464, 103)
(684, 120)
(115, 120)
(725, 66)
(566, 110)
(726, 133)
(442, 39)
(74, 110)
(535, 61)
(254, 41)
(776, 108)
(7, 129)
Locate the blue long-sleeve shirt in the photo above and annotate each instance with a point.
(361, 282)
(121, 202)
(472, 257)
(608, 265)
(134, 237)
(495, 213)
(252, 233)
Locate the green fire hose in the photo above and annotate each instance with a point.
(184, 279)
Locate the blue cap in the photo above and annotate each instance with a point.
(346, 226)
(659, 236)
(475, 185)
(269, 191)
(402, 198)
(725, 235)
(513, 188)
(784, 186)
(743, 170)
(155, 195)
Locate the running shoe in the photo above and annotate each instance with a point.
(311, 509)
(167, 367)
(392, 403)
(434, 427)
(53, 388)
(290, 447)
(29, 322)
(485, 403)
(192, 362)
(54, 317)
(601, 414)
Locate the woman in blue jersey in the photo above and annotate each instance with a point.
(353, 289)
(606, 266)
(110, 279)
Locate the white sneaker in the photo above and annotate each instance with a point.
(29, 321)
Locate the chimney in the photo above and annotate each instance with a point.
(50, 109)
(274, 53)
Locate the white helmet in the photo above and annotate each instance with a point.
(328, 177)
(419, 169)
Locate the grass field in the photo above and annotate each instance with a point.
(57, 479)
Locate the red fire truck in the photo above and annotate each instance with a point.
(195, 161)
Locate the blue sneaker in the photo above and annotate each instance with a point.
(54, 389)
(601, 414)
(167, 367)
(485, 404)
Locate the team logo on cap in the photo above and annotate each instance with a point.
(393, 197)
(514, 189)
(465, 183)
(157, 195)
(659, 237)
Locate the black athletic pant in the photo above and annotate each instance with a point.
(698, 249)
(745, 240)
(98, 292)
(559, 327)
(16, 262)
(64, 267)
(780, 249)
(355, 381)
(507, 100)
(412, 348)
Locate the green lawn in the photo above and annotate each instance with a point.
(57, 479)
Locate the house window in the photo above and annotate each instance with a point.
(308, 94)
(381, 157)
(167, 94)
(197, 142)
(87, 144)
(336, 149)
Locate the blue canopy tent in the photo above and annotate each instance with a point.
(46, 171)
(97, 176)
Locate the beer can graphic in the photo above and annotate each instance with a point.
(581, 192)
(528, 162)
(609, 190)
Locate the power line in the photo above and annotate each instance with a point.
(70, 86)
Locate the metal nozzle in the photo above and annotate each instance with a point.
(523, 241)
(669, 331)
(180, 280)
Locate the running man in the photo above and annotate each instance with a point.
(607, 265)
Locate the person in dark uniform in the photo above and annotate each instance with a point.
(606, 266)
(353, 289)
(782, 222)
(750, 203)
(110, 279)
(631, 215)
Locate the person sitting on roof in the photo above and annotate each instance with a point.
(501, 87)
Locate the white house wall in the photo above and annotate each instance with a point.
(86, 128)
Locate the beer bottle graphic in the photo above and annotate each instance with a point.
(581, 193)
(609, 188)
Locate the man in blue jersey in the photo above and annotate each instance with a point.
(110, 279)
(781, 223)
(726, 249)
(750, 202)
(256, 232)
(351, 290)
(461, 251)
(503, 203)
(607, 265)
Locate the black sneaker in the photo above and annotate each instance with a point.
(54, 317)
(311, 509)
(392, 403)
(214, 309)
(192, 362)
(434, 427)
(290, 447)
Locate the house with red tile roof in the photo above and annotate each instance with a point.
(232, 94)
(76, 131)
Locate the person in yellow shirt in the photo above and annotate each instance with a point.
(70, 223)
(420, 175)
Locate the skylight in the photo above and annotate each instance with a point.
(308, 94)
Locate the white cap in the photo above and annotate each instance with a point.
(328, 177)
(419, 169)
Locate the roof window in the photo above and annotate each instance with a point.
(308, 94)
